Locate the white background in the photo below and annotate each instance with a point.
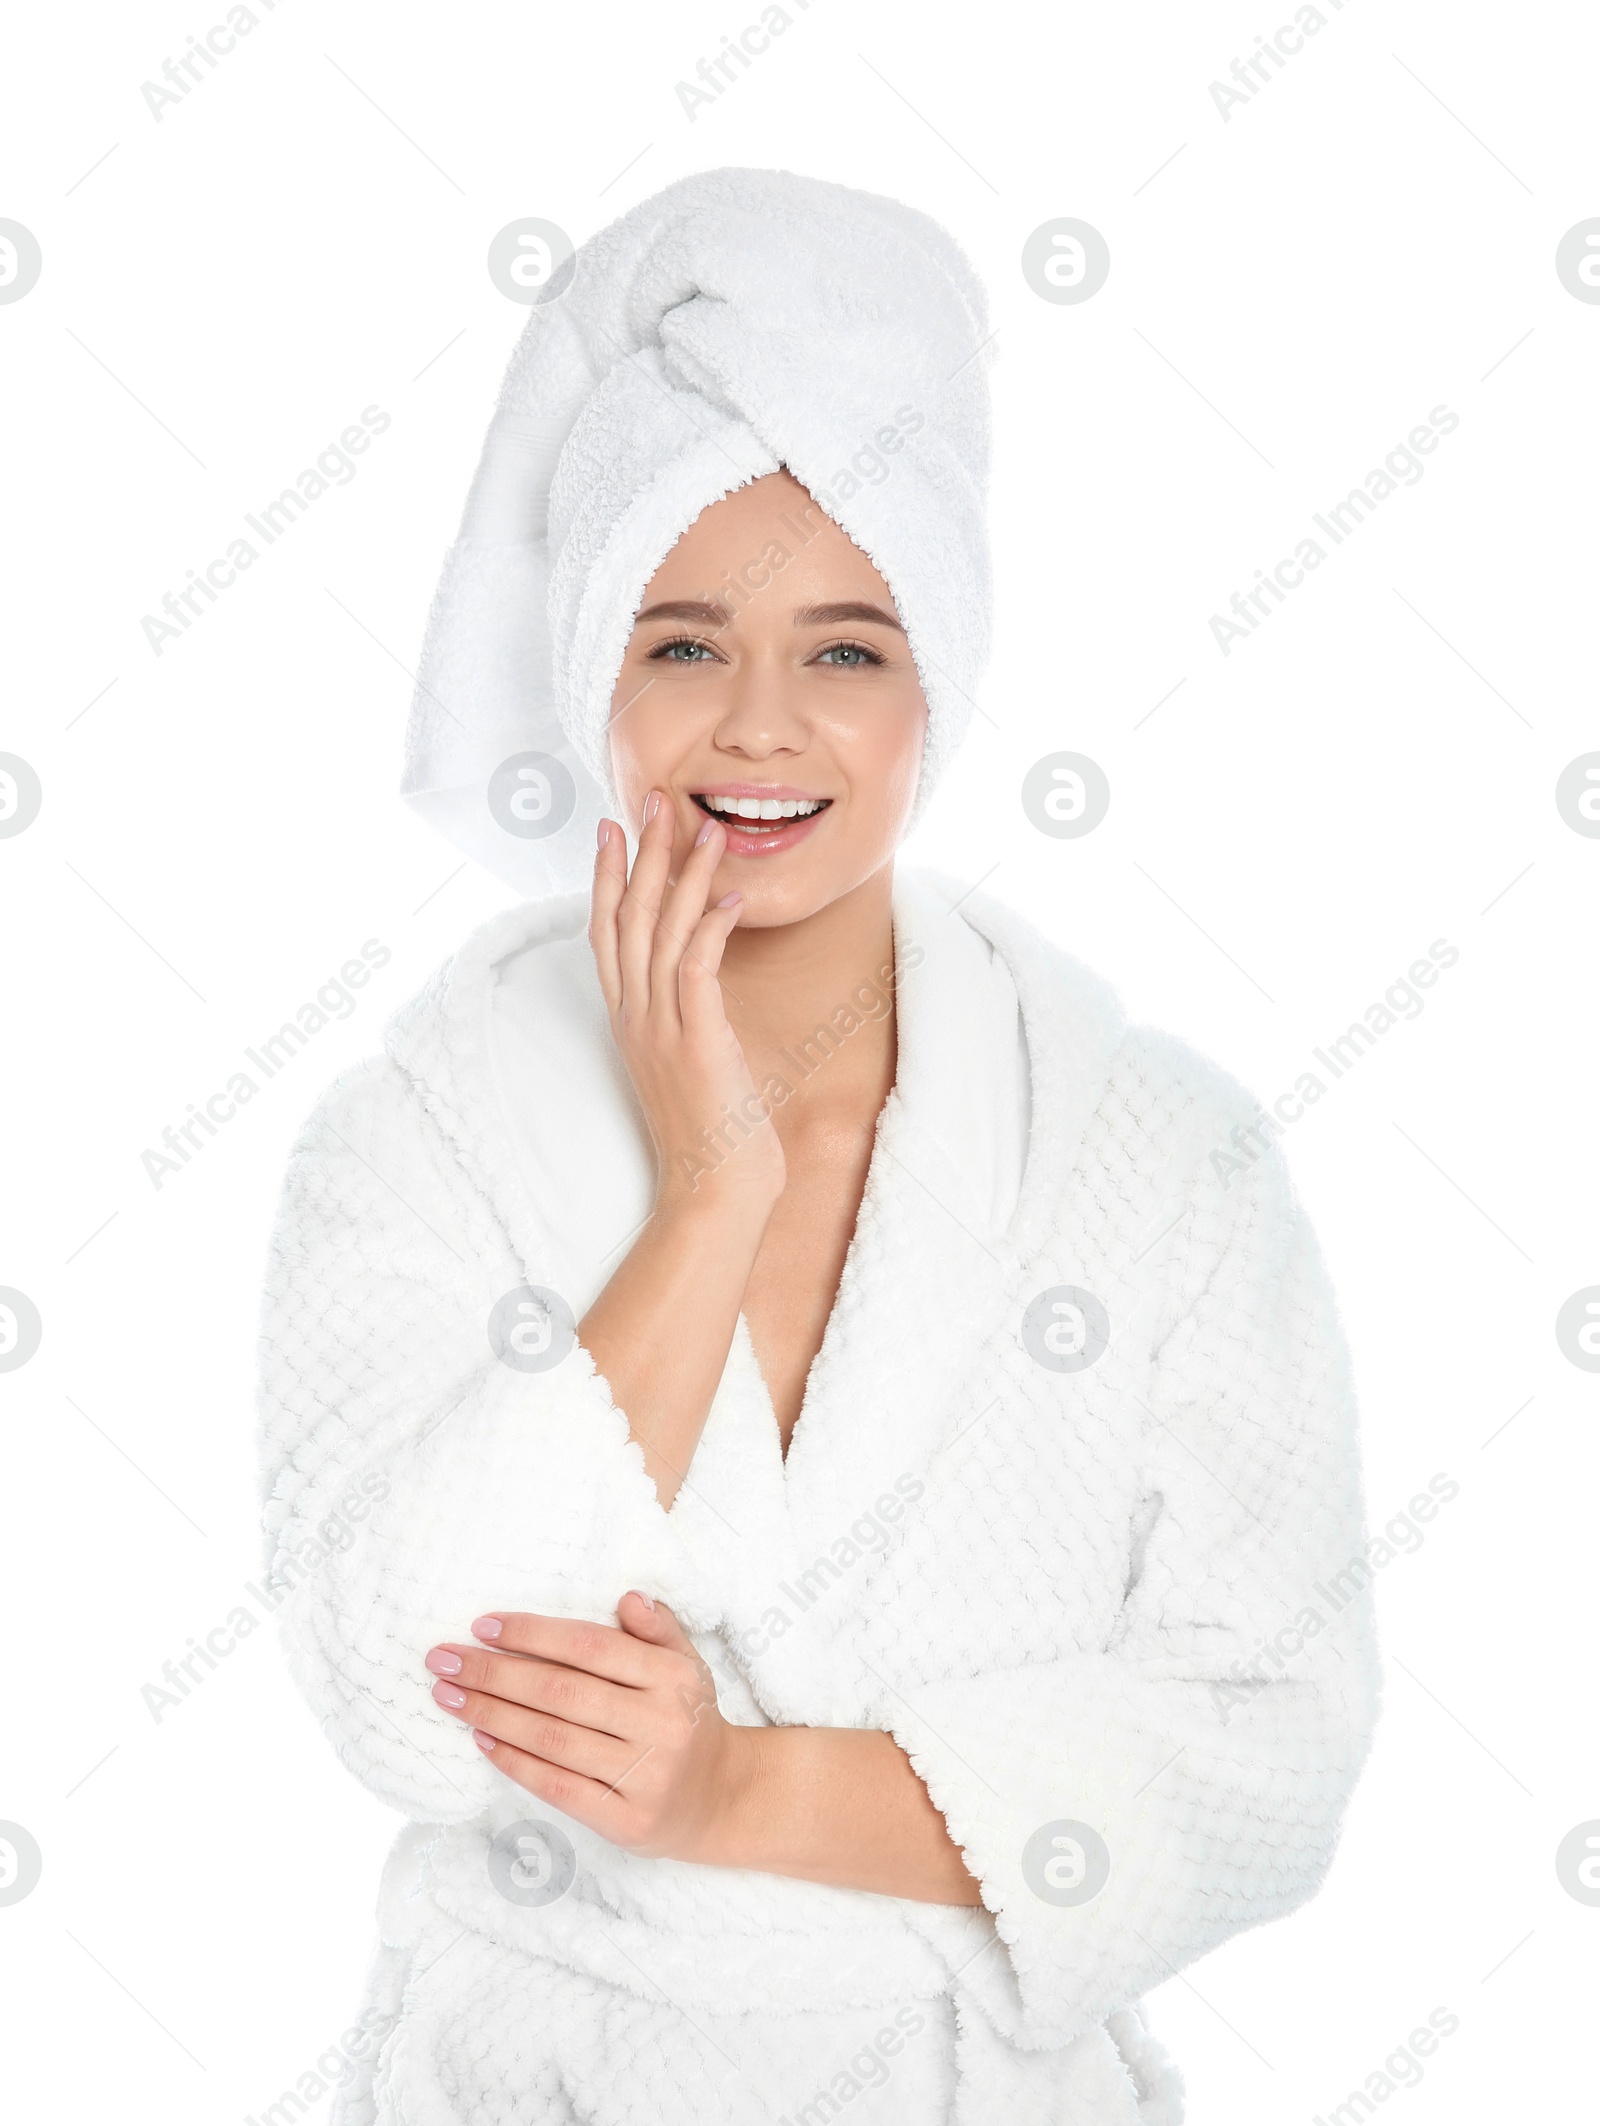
(1370, 236)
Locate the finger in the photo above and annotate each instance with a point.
(644, 1618)
(684, 905)
(541, 1686)
(692, 1684)
(598, 1649)
(560, 1742)
(590, 1802)
(641, 905)
(610, 885)
(700, 1004)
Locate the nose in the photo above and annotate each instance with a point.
(762, 713)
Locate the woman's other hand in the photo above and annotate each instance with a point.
(617, 1729)
(620, 1730)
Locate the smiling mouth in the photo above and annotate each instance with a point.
(761, 815)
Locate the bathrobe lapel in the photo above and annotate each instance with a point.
(927, 1263)
(931, 1273)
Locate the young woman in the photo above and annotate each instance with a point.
(790, 1457)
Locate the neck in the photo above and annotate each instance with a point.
(821, 989)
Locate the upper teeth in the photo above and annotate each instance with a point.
(765, 807)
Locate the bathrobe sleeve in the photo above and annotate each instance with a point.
(412, 1479)
(1126, 1810)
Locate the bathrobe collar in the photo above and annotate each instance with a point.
(930, 1266)
(928, 1276)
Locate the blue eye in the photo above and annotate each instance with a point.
(663, 650)
(857, 653)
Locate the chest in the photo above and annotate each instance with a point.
(795, 1281)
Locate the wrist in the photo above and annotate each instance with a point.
(711, 1214)
(744, 1174)
(728, 1837)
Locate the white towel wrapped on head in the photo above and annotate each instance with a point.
(735, 323)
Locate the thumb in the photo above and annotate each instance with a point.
(644, 1618)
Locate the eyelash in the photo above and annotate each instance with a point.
(660, 649)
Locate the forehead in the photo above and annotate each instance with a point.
(768, 535)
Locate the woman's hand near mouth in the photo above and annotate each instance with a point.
(658, 949)
(661, 1330)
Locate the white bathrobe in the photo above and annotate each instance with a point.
(1102, 1588)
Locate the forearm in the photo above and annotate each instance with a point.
(840, 1806)
(661, 1329)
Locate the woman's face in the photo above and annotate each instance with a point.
(768, 665)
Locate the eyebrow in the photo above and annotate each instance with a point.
(846, 609)
(712, 614)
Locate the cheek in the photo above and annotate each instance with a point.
(891, 760)
(640, 756)
(630, 785)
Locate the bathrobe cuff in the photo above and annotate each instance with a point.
(413, 1479)
(1117, 1830)
(1125, 1809)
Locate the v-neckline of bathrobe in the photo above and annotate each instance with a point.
(925, 1277)
(905, 1135)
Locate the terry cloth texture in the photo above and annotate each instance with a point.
(1088, 1600)
(739, 321)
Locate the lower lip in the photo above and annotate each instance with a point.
(774, 841)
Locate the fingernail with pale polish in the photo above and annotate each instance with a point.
(443, 1662)
(707, 828)
(603, 833)
(647, 1600)
(484, 1742)
(486, 1628)
(447, 1694)
(652, 805)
